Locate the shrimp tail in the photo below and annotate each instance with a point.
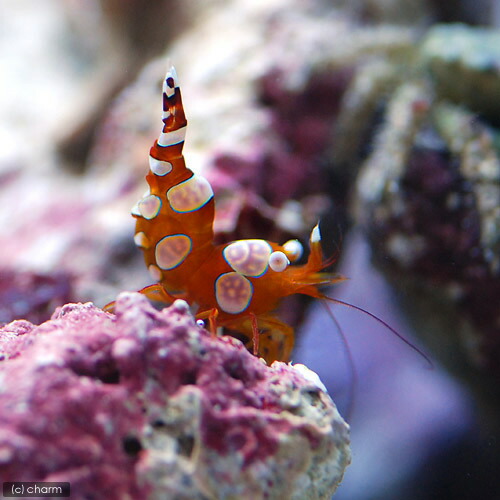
(169, 144)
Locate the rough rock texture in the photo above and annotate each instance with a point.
(463, 63)
(148, 405)
(430, 194)
(32, 296)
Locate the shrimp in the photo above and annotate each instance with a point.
(236, 285)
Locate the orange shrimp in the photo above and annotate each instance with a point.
(237, 285)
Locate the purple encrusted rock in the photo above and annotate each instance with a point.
(429, 199)
(32, 295)
(147, 404)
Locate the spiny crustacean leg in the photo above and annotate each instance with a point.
(156, 293)
(110, 307)
(211, 315)
(255, 334)
(275, 338)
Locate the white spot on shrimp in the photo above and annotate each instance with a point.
(141, 240)
(170, 82)
(159, 167)
(155, 272)
(248, 257)
(315, 234)
(278, 261)
(293, 250)
(190, 195)
(149, 206)
(172, 250)
(173, 137)
(233, 292)
(181, 306)
(169, 91)
(135, 210)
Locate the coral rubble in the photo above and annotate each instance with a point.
(147, 404)
(429, 194)
(32, 295)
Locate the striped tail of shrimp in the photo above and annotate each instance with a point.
(174, 220)
(236, 285)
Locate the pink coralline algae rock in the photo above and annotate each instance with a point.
(147, 404)
(32, 295)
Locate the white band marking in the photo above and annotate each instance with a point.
(171, 138)
(278, 261)
(233, 292)
(248, 257)
(190, 195)
(172, 250)
(159, 167)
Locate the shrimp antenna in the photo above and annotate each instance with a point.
(383, 323)
(350, 361)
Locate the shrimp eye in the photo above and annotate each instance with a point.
(278, 261)
(293, 250)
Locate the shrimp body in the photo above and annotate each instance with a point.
(236, 285)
